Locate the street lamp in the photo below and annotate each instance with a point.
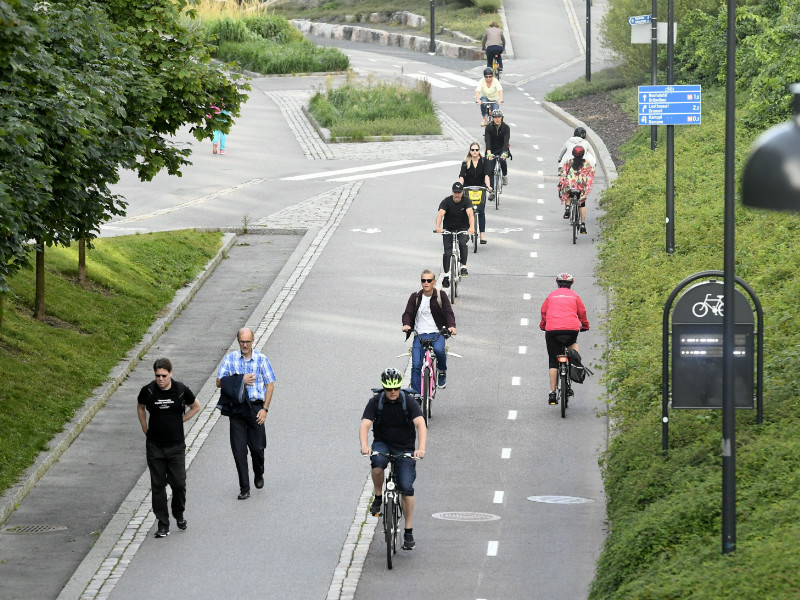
(771, 177)
(432, 45)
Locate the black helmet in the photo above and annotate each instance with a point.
(578, 152)
(488, 71)
(580, 132)
(564, 280)
(391, 378)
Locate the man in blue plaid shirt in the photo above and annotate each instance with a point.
(248, 431)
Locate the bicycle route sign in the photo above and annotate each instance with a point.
(670, 104)
(639, 20)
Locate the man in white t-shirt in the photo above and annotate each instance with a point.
(428, 312)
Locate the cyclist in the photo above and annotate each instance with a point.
(395, 430)
(427, 312)
(458, 216)
(497, 137)
(494, 42)
(577, 174)
(563, 316)
(474, 172)
(488, 90)
(578, 139)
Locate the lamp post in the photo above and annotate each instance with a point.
(588, 40)
(432, 46)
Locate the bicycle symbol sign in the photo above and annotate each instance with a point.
(715, 304)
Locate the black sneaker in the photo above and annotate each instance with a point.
(566, 212)
(375, 507)
(446, 282)
(163, 530)
(551, 399)
(442, 379)
(182, 524)
(408, 541)
(583, 227)
(464, 272)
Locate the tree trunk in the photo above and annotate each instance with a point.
(82, 263)
(38, 310)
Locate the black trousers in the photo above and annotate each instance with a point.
(245, 433)
(167, 466)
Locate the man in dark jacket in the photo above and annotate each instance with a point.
(497, 138)
(166, 400)
(427, 312)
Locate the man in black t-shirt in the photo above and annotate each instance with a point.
(166, 400)
(457, 216)
(394, 431)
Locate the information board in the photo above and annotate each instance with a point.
(670, 105)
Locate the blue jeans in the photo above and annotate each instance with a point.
(418, 353)
(405, 469)
(490, 52)
(486, 109)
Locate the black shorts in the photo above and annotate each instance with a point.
(556, 340)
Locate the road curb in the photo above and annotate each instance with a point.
(11, 498)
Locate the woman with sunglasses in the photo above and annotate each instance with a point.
(489, 92)
(474, 172)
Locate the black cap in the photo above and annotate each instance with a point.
(457, 187)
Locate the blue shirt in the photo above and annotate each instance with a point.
(236, 364)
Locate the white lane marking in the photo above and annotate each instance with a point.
(498, 497)
(530, 275)
(523, 349)
(535, 146)
(534, 254)
(370, 230)
(539, 159)
(526, 135)
(516, 381)
(540, 201)
(457, 77)
(510, 124)
(386, 165)
(541, 186)
(506, 453)
(432, 80)
(539, 217)
(188, 203)
(523, 322)
(540, 173)
(446, 163)
(526, 296)
(512, 415)
(536, 236)
(492, 549)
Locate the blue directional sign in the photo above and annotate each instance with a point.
(669, 105)
(639, 20)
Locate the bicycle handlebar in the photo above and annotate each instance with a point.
(445, 232)
(393, 456)
(444, 331)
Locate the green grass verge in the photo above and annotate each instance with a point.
(50, 367)
(607, 79)
(356, 111)
(665, 513)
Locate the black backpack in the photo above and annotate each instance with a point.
(577, 371)
(404, 393)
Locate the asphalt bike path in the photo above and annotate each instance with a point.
(336, 328)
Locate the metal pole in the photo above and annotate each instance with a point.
(670, 134)
(653, 61)
(588, 40)
(432, 46)
(728, 406)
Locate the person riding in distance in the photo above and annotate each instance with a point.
(457, 216)
(475, 172)
(563, 316)
(488, 90)
(578, 139)
(494, 42)
(577, 174)
(395, 430)
(497, 137)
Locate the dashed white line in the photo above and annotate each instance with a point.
(539, 217)
(540, 200)
(512, 415)
(523, 349)
(534, 255)
(539, 159)
(492, 549)
(498, 497)
(531, 275)
(535, 146)
(506, 453)
(516, 380)
(526, 296)
(536, 236)
(540, 185)
(523, 322)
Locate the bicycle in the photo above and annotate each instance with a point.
(575, 213)
(392, 507)
(490, 106)
(496, 65)
(455, 261)
(497, 177)
(477, 194)
(563, 382)
(429, 376)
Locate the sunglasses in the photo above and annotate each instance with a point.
(392, 389)
(474, 149)
(488, 76)
(426, 280)
(158, 376)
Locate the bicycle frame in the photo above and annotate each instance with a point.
(497, 177)
(563, 382)
(428, 374)
(574, 213)
(455, 261)
(392, 508)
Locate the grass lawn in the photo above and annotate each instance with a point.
(49, 368)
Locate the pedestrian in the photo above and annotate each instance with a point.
(475, 173)
(396, 423)
(219, 139)
(428, 311)
(166, 400)
(253, 369)
(457, 216)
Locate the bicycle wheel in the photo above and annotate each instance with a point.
(389, 518)
(454, 278)
(498, 184)
(475, 237)
(574, 221)
(426, 394)
(564, 391)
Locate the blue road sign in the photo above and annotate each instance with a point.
(670, 104)
(639, 20)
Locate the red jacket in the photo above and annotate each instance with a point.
(563, 310)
